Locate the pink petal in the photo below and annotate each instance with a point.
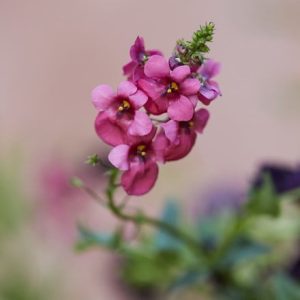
(181, 109)
(102, 96)
(109, 130)
(152, 88)
(139, 179)
(157, 67)
(118, 156)
(180, 73)
(183, 148)
(160, 145)
(138, 99)
(156, 107)
(190, 86)
(201, 118)
(141, 125)
(194, 99)
(126, 88)
(171, 130)
(128, 69)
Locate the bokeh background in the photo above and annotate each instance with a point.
(54, 52)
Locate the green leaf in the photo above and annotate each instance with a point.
(89, 238)
(284, 288)
(244, 250)
(264, 200)
(170, 215)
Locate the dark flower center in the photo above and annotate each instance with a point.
(172, 88)
(141, 151)
(124, 106)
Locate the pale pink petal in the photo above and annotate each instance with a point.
(171, 130)
(210, 69)
(194, 99)
(140, 179)
(118, 156)
(160, 145)
(190, 86)
(141, 125)
(200, 119)
(109, 131)
(126, 88)
(157, 67)
(180, 73)
(142, 139)
(138, 99)
(152, 88)
(102, 96)
(181, 109)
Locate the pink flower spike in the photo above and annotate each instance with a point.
(102, 96)
(118, 156)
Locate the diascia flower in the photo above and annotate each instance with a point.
(119, 113)
(169, 90)
(182, 135)
(138, 159)
(209, 89)
(134, 70)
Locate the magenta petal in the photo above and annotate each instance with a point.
(160, 145)
(118, 156)
(157, 67)
(137, 48)
(102, 96)
(139, 179)
(109, 130)
(200, 119)
(171, 130)
(190, 86)
(152, 88)
(138, 99)
(181, 109)
(126, 88)
(129, 68)
(141, 125)
(183, 148)
(180, 73)
(156, 107)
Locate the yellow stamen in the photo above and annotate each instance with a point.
(173, 87)
(125, 105)
(191, 124)
(141, 150)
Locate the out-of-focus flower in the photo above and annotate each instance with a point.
(182, 135)
(283, 177)
(134, 70)
(119, 114)
(169, 90)
(138, 159)
(209, 89)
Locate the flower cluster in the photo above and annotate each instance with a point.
(154, 116)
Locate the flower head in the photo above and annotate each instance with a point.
(169, 90)
(134, 70)
(119, 113)
(138, 159)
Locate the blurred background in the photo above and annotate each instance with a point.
(53, 53)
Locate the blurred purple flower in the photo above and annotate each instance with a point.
(284, 178)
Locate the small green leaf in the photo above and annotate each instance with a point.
(263, 199)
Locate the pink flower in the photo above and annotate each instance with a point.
(119, 114)
(171, 91)
(209, 89)
(138, 159)
(134, 70)
(182, 135)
